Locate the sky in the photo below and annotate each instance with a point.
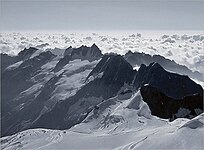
(101, 15)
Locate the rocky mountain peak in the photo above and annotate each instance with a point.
(84, 52)
(26, 53)
(172, 84)
(115, 69)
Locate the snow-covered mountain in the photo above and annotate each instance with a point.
(99, 100)
(116, 123)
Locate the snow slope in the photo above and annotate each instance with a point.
(118, 126)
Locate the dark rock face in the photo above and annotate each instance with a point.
(68, 51)
(15, 81)
(169, 108)
(6, 61)
(171, 84)
(137, 58)
(115, 70)
(12, 120)
(62, 62)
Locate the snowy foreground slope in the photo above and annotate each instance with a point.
(118, 126)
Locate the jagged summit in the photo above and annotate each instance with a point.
(172, 84)
(85, 53)
(94, 46)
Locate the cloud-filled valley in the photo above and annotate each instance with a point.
(184, 49)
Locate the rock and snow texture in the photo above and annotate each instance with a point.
(116, 124)
(35, 86)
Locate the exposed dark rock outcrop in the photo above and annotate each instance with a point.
(6, 61)
(68, 51)
(171, 84)
(169, 108)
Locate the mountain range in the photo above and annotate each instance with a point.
(46, 90)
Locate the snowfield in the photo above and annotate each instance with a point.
(124, 124)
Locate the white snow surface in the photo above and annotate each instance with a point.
(117, 126)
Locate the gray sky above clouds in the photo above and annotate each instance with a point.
(102, 14)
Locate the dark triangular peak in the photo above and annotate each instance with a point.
(136, 59)
(86, 53)
(129, 53)
(166, 107)
(68, 51)
(113, 69)
(26, 53)
(95, 47)
(171, 84)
